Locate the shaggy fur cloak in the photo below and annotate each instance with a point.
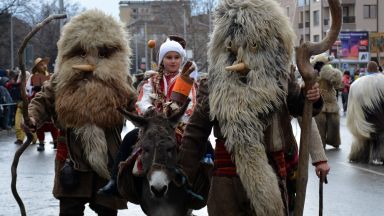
(88, 101)
(365, 114)
(328, 120)
(261, 36)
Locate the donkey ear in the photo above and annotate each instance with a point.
(138, 121)
(175, 118)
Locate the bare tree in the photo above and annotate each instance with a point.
(199, 30)
(8, 5)
(23, 14)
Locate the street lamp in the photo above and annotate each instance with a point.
(12, 51)
(61, 5)
(145, 45)
(136, 55)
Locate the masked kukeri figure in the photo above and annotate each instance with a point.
(82, 97)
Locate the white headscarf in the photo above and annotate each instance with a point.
(169, 46)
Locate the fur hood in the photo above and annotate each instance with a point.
(257, 33)
(93, 28)
(332, 75)
(87, 101)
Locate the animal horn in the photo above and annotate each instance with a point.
(236, 67)
(85, 68)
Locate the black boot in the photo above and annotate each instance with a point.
(125, 150)
(109, 189)
(40, 147)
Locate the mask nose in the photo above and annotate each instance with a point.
(84, 68)
(238, 66)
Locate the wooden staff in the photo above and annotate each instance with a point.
(22, 148)
(323, 179)
(303, 54)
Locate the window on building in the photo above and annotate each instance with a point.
(345, 11)
(316, 38)
(307, 37)
(370, 11)
(301, 3)
(301, 17)
(316, 18)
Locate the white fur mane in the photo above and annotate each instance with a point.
(365, 93)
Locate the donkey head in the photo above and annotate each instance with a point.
(158, 143)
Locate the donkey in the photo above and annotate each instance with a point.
(365, 117)
(161, 189)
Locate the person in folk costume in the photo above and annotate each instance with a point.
(164, 91)
(40, 75)
(249, 105)
(315, 149)
(83, 96)
(346, 79)
(328, 120)
(365, 117)
(20, 134)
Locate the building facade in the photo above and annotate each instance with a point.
(311, 19)
(152, 20)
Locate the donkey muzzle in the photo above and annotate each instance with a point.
(158, 182)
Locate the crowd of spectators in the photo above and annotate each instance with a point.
(9, 97)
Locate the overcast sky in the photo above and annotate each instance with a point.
(108, 6)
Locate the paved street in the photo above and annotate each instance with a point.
(353, 189)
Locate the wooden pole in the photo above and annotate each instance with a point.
(22, 148)
(303, 54)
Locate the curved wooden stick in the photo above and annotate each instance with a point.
(303, 54)
(22, 148)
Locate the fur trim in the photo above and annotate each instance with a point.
(263, 37)
(332, 75)
(366, 95)
(260, 181)
(95, 148)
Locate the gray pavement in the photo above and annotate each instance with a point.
(35, 180)
(353, 189)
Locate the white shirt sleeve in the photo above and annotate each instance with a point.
(145, 99)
